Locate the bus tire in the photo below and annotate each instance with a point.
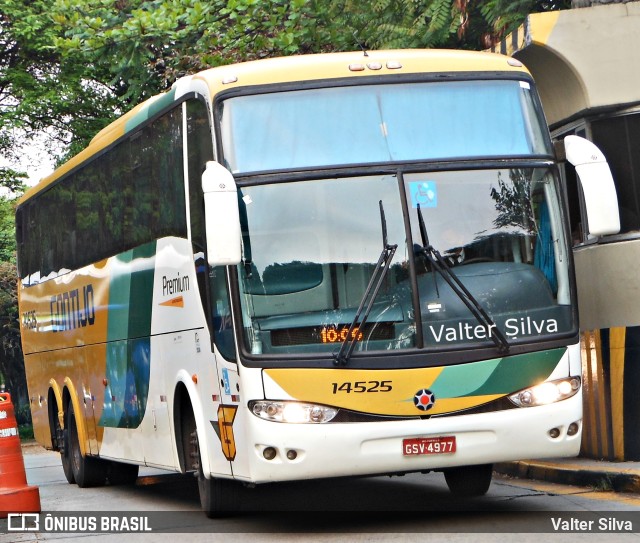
(65, 457)
(87, 471)
(218, 497)
(469, 481)
(119, 473)
(65, 453)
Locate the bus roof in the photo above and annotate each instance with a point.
(292, 69)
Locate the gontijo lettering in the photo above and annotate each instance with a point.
(72, 309)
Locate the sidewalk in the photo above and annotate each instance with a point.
(597, 474)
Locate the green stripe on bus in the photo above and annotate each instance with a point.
(149, 111)
(128, 337)
(141, 292)
(119, 289)
(497, 376)
(131, 293)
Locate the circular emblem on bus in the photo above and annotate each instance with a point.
(424, 399)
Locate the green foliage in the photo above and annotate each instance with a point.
(9, 323)
(42, 91)
(12, 180)
(142, 46)
(11, 364)
(25, 430)
(12, 184)
(70, 66)
(7, 231)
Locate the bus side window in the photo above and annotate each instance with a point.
(221, 311)
(573, 195)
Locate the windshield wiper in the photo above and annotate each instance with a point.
(440, 265)
(370, 294)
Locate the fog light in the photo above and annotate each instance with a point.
(292, 455)
(573, 429)
(269, 453)
(554, 433)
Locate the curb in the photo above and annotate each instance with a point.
(618, 480)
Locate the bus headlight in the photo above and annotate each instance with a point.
(547, 392)
(292, 412)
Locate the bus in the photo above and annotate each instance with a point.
(314, 266)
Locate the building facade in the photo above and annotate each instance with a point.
(587, 66)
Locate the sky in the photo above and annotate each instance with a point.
(34, 160)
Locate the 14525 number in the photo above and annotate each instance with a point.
(359, 387)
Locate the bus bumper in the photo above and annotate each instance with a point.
(307, 451)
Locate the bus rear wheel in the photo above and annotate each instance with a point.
(87, 471)
(469, 481)
(62, 438)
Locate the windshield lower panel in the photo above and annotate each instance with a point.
(310, 249)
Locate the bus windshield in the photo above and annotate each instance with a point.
(311, 247)
(367, 124)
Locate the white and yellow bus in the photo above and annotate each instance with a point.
(304, 267)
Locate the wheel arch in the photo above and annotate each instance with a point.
(186, 402)
(55, 412)
(70, 395)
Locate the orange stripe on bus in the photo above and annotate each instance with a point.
(174, 302)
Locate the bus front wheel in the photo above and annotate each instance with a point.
(469, 481)
(218, 497)
(87, 471)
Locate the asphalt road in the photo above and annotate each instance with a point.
(415, 507)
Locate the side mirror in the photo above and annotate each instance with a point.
(599, 191)
(221, 215)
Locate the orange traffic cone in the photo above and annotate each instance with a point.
(15, 495)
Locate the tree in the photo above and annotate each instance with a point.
(146, 45)
(42, 91)
(12, 373)
(12, 181)
(68, 67)
(11, 360)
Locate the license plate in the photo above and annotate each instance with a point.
(429, 445)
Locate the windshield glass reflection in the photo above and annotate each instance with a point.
(311, 248)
